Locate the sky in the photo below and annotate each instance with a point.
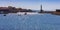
(32, 4)
(50, 5)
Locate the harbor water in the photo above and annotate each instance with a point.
(29, 22)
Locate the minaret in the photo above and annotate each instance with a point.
(41, 9)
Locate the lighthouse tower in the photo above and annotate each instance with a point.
(41, 10)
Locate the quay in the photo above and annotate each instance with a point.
(10, 9)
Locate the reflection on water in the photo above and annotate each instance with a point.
(29, 22)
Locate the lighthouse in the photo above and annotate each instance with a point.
(41, 10)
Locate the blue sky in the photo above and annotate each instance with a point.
(50, 4)
(32, 4)
(29, 4)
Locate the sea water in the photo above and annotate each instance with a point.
(29, 22)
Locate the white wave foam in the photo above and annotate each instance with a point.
(28, 13)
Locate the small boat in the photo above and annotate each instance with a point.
(4, 14)
(25, 13)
